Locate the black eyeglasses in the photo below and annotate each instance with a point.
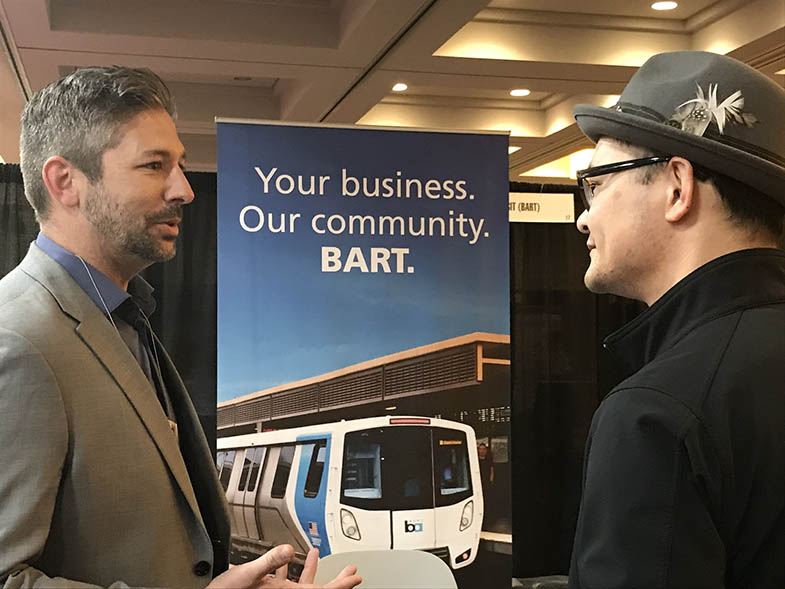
(587, 187)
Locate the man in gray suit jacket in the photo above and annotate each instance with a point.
(105, 477)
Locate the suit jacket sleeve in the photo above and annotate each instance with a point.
(34, 442)
(646, 518)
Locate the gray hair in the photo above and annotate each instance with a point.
(78, 117)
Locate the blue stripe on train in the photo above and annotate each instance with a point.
(310, 510)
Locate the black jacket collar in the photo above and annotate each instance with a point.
(743, 279)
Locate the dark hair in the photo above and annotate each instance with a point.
(746, 206)
(78, 116)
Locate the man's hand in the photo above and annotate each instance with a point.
(269, 572)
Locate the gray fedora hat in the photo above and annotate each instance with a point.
(710, 109)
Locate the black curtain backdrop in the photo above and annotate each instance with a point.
(186, 293)
(18, 226)
(185, 287)
(559, 373)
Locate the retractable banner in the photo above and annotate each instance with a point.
(363, 314)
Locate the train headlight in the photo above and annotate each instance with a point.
(349, 525)
(467, 517)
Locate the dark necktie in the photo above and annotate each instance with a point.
(130, 312)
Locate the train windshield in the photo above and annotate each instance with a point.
(405, 467)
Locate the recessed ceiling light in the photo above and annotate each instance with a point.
(400, 87)
(520, 92)
(664, 5)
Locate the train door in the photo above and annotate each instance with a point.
(408, 482)
(247, 490)
(311, 490)
(273, 514)
(234, 493)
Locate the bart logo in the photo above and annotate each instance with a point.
(410, 527)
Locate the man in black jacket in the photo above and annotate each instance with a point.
(684, 473)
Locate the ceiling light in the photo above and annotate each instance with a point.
(512, 149)
(400, 87)
(563, 167)
(520, 92)
(391, 408)
(664, 5)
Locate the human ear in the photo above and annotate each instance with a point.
(63, 181)
(680, 189)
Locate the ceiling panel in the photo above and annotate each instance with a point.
(336, 61)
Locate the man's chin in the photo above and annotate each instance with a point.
(163, 247)
(167, 253)
(166, 256)
(594, 283)
(160, 251)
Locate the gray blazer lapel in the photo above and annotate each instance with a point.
(107, 345)
(110, 349)
(198, 459)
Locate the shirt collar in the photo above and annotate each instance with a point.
(95, 283)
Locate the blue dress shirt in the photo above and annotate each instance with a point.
(109, 297)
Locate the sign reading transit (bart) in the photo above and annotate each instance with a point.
(354, 255)
(533, 207)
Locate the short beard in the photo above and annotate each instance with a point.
(129, 236)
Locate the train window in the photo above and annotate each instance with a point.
(451, 464)
(219, 459)
(256, 459)
(388, 468)
(246, 469)
(362, 466)
(226, 469)
(282, 472)
(315, 469)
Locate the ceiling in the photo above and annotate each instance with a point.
(335, 61)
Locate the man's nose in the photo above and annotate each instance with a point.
(582, 222)
(179, 187)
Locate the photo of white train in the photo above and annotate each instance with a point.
(388, 482)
